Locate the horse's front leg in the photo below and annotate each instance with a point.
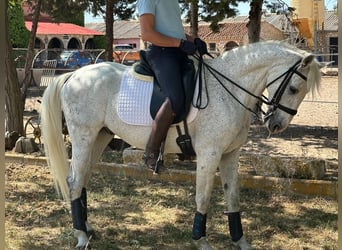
(207, 163)
(230, 182)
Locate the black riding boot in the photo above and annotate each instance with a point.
(160, 126)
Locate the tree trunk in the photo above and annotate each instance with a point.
(254, 23)
(13, 104)
(30, 50)
(109, 29)
(194, 18)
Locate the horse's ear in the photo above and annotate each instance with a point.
(307, 60)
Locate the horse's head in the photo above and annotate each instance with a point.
(287, 92)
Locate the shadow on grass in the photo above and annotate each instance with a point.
(135, 214)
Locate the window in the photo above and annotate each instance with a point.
(212, 46)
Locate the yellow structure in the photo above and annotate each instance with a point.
(309, 17)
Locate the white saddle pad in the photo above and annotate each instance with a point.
(134, 100)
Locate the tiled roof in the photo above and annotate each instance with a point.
(61, 29)
(122, 29)
(232, 31)
(331, 21)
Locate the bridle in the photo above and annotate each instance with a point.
(274, 102)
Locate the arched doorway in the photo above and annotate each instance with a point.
(38, 43)
(54, 47)
(55, 43)
(230, 45)
(90, 44)
(74, 43)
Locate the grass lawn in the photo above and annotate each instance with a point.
(144, 214)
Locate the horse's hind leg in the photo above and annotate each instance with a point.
(102, 140)
(83, 140)
(230, 183)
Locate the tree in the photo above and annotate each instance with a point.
(194, 18)
(17, 31)
(30, 50)
(109, 29)
(67, 11)
(254, 23)
(110, 9)
(208, 11)
(215, 11)
(13, 107)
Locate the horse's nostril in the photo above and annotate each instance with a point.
(275, 127)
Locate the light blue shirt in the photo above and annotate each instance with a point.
(167, 16)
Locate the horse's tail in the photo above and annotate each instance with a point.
(51, 123)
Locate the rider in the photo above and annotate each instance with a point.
(161, 25)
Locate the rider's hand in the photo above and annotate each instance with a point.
(201, 46)
(187, 47)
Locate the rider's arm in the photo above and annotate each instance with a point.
(148, 33)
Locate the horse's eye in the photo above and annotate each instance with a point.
(293, 90)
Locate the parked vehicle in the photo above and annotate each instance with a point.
(125, 54)
(74, 59)
(122, 47)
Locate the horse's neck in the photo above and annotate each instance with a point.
(250, 66)
(251, 77)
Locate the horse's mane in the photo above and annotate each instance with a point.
(314, 77)
(314, 74)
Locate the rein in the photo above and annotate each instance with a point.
(275, 101)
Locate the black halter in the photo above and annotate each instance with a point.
(275, 101)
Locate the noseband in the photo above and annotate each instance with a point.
(274, 102)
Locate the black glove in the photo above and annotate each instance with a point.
(201, 46)
(187, 47)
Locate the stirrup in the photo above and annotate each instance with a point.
(155, 161)
(150, 159)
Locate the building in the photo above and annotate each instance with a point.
(63, 36)
(59, 35)
(234, 32)
(124, 32)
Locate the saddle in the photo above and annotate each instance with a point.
(158, 97)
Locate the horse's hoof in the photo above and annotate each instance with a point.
(242, 244)
(202, 244)
(90, 231)
(83, 240)
(91, 234)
